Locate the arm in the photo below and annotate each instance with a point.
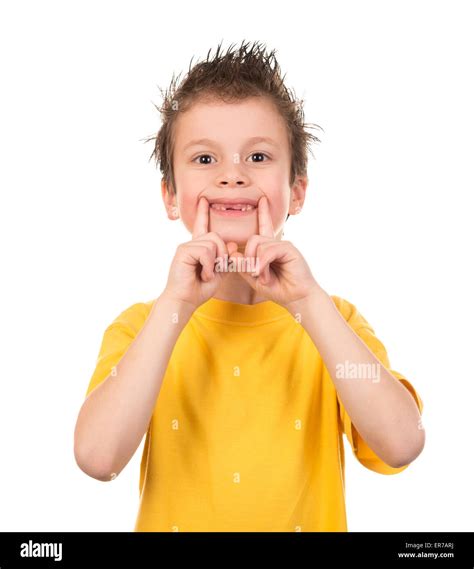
(383, 412)
(116, 415)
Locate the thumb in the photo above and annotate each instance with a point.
(231, 247)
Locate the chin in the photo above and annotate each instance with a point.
(239, 235)
(240, 238)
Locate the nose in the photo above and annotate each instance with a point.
(237, 180)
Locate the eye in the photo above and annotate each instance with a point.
(202, 156)
(259, 154)
(207, 158)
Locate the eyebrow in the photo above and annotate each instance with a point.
(209, 142)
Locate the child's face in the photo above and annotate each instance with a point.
(230, 165)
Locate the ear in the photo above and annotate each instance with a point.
(298, 194)
(169, 199)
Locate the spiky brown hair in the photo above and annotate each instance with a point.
(233, 76)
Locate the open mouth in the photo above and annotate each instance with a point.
(232, 207)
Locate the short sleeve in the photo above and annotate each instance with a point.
(364, 454)
(116, 340)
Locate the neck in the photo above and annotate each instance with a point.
(235, 289)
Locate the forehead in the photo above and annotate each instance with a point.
(229, 123)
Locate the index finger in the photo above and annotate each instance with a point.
(201, 223)
(265, 224)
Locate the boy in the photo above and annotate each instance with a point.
(242, 380)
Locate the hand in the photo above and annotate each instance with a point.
(192, 277)
(282, 272)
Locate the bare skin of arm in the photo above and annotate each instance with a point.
(384, 412)
(116, 414)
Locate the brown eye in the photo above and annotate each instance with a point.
(258, 154)
(205, 156)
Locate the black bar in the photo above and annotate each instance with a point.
(144, 550)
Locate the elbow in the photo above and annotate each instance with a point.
(406, 453)
(92, 466)
(92, 460)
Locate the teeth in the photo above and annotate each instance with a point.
(241, 207)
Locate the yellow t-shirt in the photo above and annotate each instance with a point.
(246, 434)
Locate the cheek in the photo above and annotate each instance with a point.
(279, 203)
(188, 211)
(188, 193)
(187, 202)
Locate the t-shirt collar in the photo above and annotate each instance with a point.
(234, 312)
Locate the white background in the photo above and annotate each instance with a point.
(387, 222)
